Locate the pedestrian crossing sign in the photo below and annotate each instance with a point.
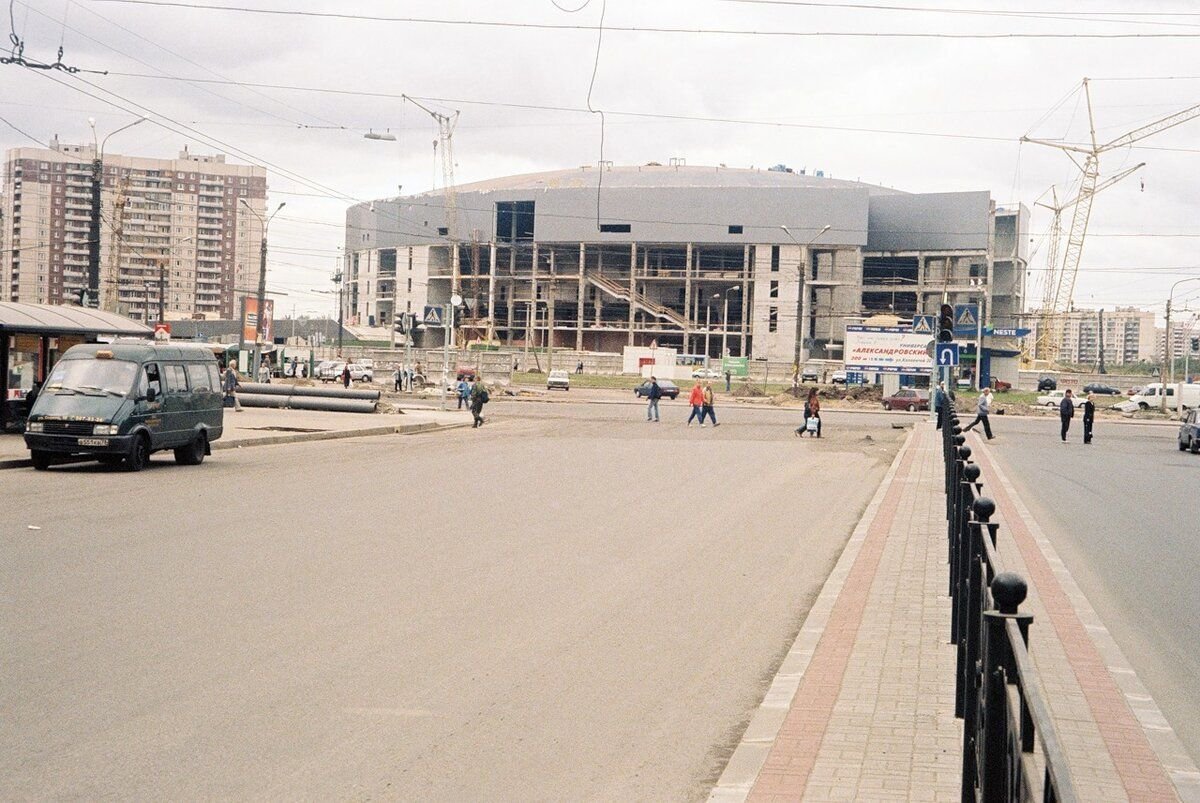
(923, 324)
(966, 319)
(433, 316)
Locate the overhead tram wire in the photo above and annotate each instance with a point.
(632, 114)
(1068, 16)
(644, 29)
(145, 63)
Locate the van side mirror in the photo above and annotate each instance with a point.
(151, 395)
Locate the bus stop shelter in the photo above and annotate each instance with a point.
(32, 336)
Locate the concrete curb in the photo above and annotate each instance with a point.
(743, 767)
(294, 437)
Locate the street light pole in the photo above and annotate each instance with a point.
(725, 322)
(93, 274)
(801, 355)
(1167, 355)
(262, 285)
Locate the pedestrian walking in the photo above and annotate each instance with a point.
(1066, 411)
(812, 416)
(346, 375)
(579, 367)
(982, 410)
(728, 377)
(654, 393)
(939, 402)
(464, 392)
(264, 371)
(1089, 417)
(230, 385)
(696, 399)
(707, 408)
(478, 395)
(411, 375)
(398, 378)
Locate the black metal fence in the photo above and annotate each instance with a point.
(998, 695)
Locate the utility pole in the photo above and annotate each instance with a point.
(146, 301)
(262, 285)
(93, 274)
(448, 323)
(1101, 367)
(162, 291)
(337, 280)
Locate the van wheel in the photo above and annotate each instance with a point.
(193, 453)
(40, 458)
(139, 453)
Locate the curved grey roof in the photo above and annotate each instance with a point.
(52, 319)
(644, 176)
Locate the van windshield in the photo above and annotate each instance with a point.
(92, 377)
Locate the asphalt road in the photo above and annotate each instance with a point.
(1122, 515)
(569, 603)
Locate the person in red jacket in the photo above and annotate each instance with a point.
(696, 399)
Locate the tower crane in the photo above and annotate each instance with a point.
(445, 143)
(1064, 284)
(1050, 286)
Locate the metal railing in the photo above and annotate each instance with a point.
(998, 693)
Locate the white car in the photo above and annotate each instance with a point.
(707, 373)
(1054, 399)
(558, 379)
(838, 378)
(358, 373)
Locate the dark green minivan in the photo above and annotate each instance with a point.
(121, 401)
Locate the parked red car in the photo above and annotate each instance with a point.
(907, 399)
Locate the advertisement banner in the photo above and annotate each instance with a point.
(886, 349)
(250, 320)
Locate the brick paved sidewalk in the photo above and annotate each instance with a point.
(863, 706)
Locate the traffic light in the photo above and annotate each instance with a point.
(1195, 344)
(945, 324)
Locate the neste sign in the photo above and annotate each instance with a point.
(886, 349)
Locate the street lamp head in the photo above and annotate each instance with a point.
(386, 136)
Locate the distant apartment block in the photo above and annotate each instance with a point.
(170, 229)
(1129, 336)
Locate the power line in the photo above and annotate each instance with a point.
(646, 29)
(1070, 16)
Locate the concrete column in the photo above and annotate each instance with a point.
(687, 299)
(531, 324)
(491, 312)
(550, 317)
(746, 270)
(632, 288)
(805, 300)
(579, 303)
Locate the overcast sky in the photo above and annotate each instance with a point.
(858, 107)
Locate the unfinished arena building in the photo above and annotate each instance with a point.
(708, 260)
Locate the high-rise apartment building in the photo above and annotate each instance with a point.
(1128, 336)
(181, 235)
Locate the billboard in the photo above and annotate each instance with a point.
(736, 366)
(250, 320)
(887, 349)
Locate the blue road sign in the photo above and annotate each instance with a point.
(947, 354)
(433, 316)
(924, 324)
(1009, 332)
(966, 319)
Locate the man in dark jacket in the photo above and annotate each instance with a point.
(653, 394)
(1089, 416)
(478, 396)
(1066, 411)
(939, 402)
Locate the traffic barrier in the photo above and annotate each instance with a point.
(1002, 726)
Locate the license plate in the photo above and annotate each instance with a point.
(93, 441)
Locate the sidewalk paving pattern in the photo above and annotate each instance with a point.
(862, 707)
